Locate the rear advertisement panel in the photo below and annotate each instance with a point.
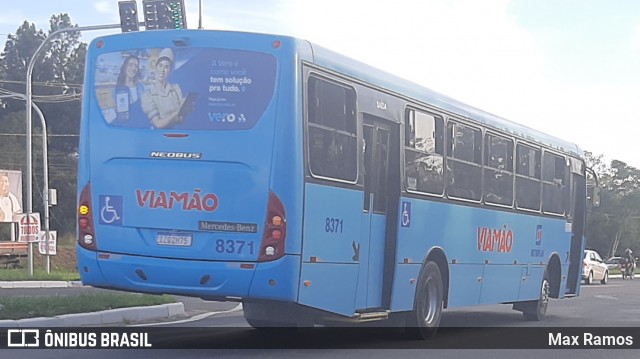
(184, 88)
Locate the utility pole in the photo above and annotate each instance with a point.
(29, 130)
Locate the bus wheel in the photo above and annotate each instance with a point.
(425, 317)
(535, 310)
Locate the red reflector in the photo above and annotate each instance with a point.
(276, 235)
(84, 223)
(99, 44)
(176, 135)
(104, 256)
(276, 44)
(247, 266)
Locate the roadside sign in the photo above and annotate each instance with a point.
(42, 245)
(29, 227)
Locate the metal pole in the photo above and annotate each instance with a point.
(29, 130)
(45, 165)
(45, 174)
(200, 15)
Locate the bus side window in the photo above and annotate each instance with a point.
(332, 132)
(424, 149)
(528, 167)
(498, 170)
(554, 183)
(464, 155)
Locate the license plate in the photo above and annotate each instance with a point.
(174, 239)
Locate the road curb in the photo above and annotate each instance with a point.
(39, 284)
(113, 316)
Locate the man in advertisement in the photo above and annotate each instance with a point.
(9, 203)
(163, 101)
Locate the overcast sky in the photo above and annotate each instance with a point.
(570, 68)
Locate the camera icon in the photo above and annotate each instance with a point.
(23, 338)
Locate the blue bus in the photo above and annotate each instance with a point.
(313, 188)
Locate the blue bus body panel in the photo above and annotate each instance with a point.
(196, 278)
(465, 284)
(331, 287)
(375, 269)
(404, 286)
(329, 259)
(493, 256)
(277, 280)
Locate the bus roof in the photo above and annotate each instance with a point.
(353, 68)
(368, 74)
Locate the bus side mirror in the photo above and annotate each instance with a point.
(593, 196)
(593, 190)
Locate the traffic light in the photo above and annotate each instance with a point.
(128, 15)
(164, 14)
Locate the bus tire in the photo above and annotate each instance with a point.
(427, 308)
(536, 310)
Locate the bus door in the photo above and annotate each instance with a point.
(577, 215)
(379, 196)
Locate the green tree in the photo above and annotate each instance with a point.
(615, 225)
(57, 88)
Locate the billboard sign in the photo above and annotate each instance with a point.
(10, 194)
(29, 227)
(42, 245)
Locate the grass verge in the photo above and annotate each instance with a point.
(22, 274)
(617, 271)
(34, 307)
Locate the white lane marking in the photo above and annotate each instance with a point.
(192, 319)
(606, 297)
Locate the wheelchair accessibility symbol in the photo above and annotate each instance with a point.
(406, 214)
(111, 210)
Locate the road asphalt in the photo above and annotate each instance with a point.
(184, 309)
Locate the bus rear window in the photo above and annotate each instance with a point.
(184, 88)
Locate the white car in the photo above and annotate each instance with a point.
(594, 268)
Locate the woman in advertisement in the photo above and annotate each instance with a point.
(129, 90)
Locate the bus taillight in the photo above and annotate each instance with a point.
(86, 233)
(275, 231)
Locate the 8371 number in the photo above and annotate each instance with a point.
(333, 225)
(234, 247)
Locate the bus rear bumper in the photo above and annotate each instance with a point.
(207, 279)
